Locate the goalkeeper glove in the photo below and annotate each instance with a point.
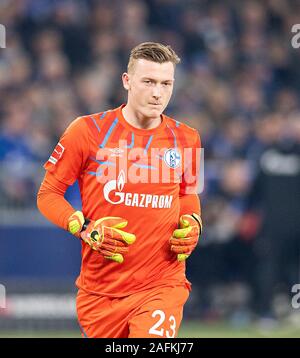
(185, 239)
(103, 235)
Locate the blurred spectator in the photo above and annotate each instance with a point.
(276, 196)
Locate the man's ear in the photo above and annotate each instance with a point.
(126, 80)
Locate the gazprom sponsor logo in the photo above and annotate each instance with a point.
(148, 200)
(115, 188)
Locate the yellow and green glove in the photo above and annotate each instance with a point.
(104, 235)
(185, 238)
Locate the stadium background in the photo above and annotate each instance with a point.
(238, 83)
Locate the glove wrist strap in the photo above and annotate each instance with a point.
(85, 225)
(199, 221)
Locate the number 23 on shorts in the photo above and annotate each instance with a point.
(155, 320)
(164, 326)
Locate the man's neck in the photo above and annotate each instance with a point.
(137, 120)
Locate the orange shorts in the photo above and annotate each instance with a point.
(153, 313)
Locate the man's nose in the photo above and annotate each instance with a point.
(156, 91)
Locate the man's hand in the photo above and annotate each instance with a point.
(103, 235)
(76, 223)
(185, 239)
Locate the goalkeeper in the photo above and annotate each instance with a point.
(136, 235)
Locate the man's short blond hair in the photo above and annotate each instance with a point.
(152, 51)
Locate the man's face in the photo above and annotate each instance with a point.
(150, 86)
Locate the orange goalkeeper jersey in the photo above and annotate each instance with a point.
(136, 174)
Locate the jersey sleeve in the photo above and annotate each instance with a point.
(51, 201)
(70, 154)
(190, 204)
(191, 167)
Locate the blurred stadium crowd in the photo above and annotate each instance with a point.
(238, 83)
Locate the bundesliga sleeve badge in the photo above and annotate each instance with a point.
(56, 154)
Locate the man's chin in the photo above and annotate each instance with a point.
(155, 112)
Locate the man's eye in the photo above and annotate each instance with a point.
(147, 81)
